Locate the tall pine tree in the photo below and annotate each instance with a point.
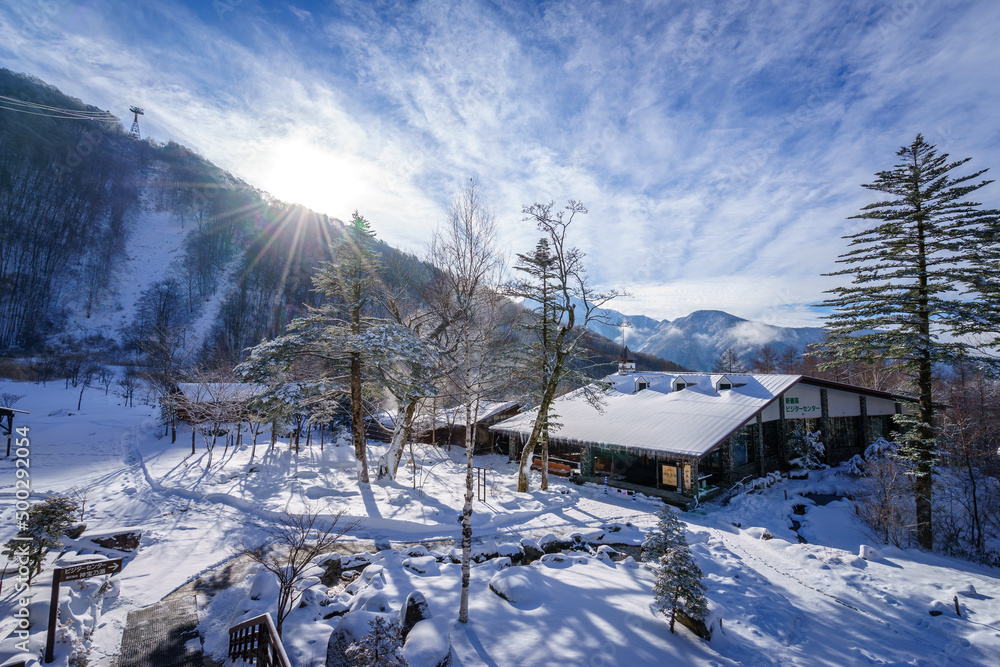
(904, 302)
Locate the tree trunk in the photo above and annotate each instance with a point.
(357, 419)
(463, 611)
(536, 432)
(544, 485)
(388, 465)
(925, 431)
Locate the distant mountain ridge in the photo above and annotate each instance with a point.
(696, 341)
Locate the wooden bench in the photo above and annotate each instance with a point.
(558, 467)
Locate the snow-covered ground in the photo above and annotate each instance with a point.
(773, 601)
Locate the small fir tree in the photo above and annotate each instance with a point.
(44, 524)
(381, 647)
(678, 587)
(807, 449)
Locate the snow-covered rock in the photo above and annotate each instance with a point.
(517, 585)
(868, 553)
(264, 586)
(427, 644)
(965, 590)
(414, 610)
(422, 565)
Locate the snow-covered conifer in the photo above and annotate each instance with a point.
(381, 647)
(926, 244)
(678, 587)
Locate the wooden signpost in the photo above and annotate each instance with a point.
(72, 573)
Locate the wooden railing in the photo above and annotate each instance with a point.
(256, 642)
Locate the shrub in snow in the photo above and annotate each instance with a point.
(881, 449)
(883, 502)
(296, 540)
(678, 588)
(656, 540)
(807, 450)
(381, 647)
(44, 524)
(855, 466)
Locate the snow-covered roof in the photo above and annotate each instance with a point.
(688, 423)
(211, 392)
(456, 416)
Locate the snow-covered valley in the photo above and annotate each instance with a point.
(773, 599)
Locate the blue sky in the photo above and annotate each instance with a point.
(720, 146)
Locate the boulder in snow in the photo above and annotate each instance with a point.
(513, 551)
(121, 540)
(414, 610)
(264, 586)
(484, 551)
(531, 549)
(937, 607)
(551, 544)
(517, 585)
(422, 565)
(427, 645)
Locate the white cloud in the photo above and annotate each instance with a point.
(720, 148)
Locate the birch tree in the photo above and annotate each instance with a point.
(469, 307)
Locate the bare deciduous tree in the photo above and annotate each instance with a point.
(294, 540)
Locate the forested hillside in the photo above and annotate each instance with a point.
(148, 251)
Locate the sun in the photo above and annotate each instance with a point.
(298, 171)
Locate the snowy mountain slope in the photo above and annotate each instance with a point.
(773, 601)
(154, 245)
(696, 341)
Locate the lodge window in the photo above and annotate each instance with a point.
(724, 385)
(744, 451)
(640, 386)
(680, 385)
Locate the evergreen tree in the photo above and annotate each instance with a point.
(678, 587)
(44, 524)
(330, 348)
(382, 647)
(558, 283)
(907, 272)
(540, 269)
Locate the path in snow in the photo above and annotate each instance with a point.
(163, 635)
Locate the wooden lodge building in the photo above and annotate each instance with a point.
(682, 435)
(447, 427)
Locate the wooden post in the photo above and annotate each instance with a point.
(958, 609)
(50, 639)
(863, 434)
(758, 443)
(824, 422)
(782, 433)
